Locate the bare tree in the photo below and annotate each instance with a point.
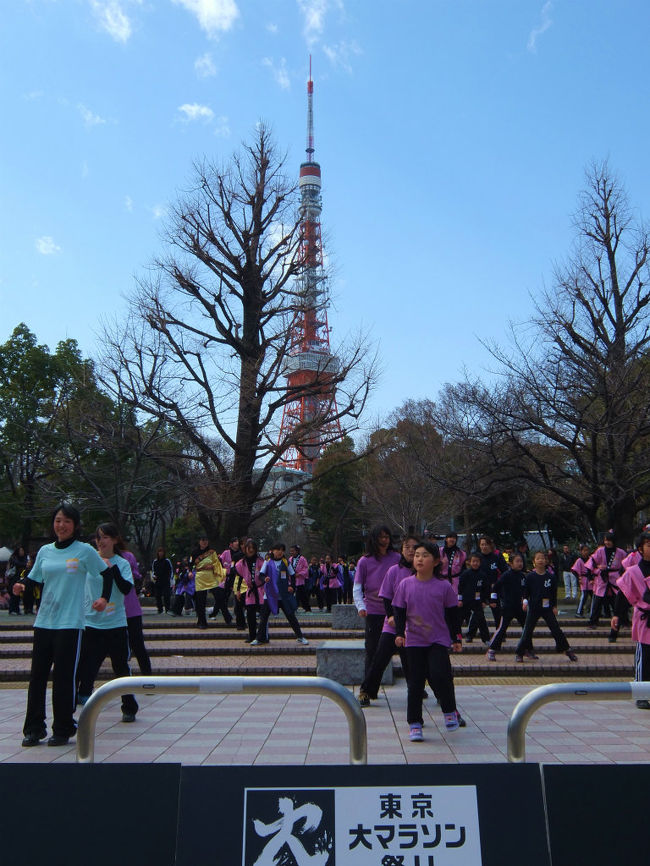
(206, 344)
(572, 410)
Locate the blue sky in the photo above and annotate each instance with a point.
(453, 137)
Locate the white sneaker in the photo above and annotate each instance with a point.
(302, 640)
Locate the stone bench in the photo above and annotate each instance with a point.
(346, 616)
(343, 662)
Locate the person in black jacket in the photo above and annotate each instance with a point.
(492, 565)
(473, 595)
(509, 588)
(540, 600)
(162, 572)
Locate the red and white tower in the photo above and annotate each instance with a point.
(310, 366)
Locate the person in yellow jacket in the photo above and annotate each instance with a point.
(209, 574)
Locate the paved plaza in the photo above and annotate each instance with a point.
(306, 729)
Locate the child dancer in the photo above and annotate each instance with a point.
(370, 573)
(473, 594)
(279, 594)
(420, 605)
(605, 565)
(635, 587)
(386, 646)
(510, 587)
(540, 599)
(585, 579)
(106, 632)
(249, 585)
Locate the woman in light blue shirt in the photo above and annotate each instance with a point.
(62, 568)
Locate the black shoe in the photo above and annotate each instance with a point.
(640, 705)
(128, 717)
(461, 721)
(364, 700)
(32, 740)
(571, 656)
(55, 740)
(241, 627)
(200, 625)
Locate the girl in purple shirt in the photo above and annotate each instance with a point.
(386, 646)
(369, 576)
(422, 605)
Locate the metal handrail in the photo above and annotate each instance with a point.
(222, 685)
(532, 702)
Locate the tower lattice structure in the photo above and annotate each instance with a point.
(310, 366)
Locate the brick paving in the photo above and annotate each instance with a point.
(305, 729)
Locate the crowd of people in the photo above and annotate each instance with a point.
(421, 601)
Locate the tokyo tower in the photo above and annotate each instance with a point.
(310, 366)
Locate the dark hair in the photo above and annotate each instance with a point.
(113, 532)
(403, 563)
(609, 536)
(452, 534)
(475, 554)
(71, 513)
(434, 550)
(517, 556)
(372, 544)
(643, 536)
(252, 543)
(487, 538)
(277, 545)
(296, 547)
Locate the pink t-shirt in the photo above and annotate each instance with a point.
(425, 602)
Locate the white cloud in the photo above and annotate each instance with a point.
(214, 16)
(158, 211)
(272, 28)
(222, 127)
(342, 53)
(194, 111)
(46, 246)
(112, 18)
(89, 117)
(545, 22)
(314, 13)
(128, 203)
(204, 66)
(279, 71)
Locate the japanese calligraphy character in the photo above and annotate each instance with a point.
(461, 840)
(391, 806)
(421, 806)
(385, 840)
(282, 833)
(408, 831)
(360, 837)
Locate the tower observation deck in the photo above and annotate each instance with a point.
(310, 367)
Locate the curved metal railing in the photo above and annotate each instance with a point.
(222, 685)
(530, 703)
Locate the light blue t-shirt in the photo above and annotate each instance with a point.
(63, 573)
(114, 616)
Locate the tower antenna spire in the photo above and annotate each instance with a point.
(310, 366)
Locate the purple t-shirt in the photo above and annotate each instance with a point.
(425, 602)
(131, 601)
(394, 576)
(370, 574)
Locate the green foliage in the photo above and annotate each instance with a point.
(333, 501)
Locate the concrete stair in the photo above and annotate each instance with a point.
(176, 646)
